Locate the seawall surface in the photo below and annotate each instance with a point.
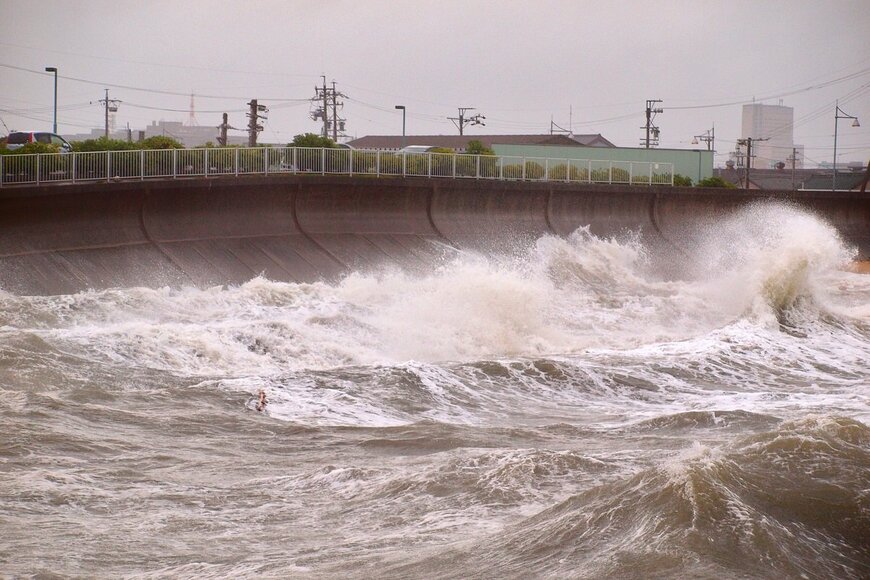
(202, 232)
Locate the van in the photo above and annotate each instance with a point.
(416, 149)
(17, 139)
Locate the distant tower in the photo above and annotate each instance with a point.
(775, 123)
(191, 119)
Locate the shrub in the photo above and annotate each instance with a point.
(716, 182)
(682, 181)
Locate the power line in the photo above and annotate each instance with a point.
(142, 89)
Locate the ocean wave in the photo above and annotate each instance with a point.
(790, 502)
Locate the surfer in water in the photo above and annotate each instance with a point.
(261, 401)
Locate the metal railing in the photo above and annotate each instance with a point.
(49, 168)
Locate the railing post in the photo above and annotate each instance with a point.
(205, 155)
(524, 168)
(174, 163)
(266, 160)
(568, 167)
(650, 173)
(501, 168)
(350, 164)
(478, 167)
(323, 159)
(141, 165)
(108, 166)
(37, 169)
(429, 172)
(547, 169)
(610, 173)
(2, 170)
(378, 163)
(75, 160)
(236, 162)
(295, 161)
(404, 161)
(454, 165)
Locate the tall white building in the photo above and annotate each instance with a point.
(772, 130)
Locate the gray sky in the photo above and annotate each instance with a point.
(519, 63)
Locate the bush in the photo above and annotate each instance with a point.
(716, 182)
(31, 148)
(312, 140)
(682, 181)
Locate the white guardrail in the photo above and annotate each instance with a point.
(48, 168)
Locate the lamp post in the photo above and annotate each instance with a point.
(53, 69)
(839, 114)
(402, 107)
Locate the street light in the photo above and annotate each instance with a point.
(403, 123)
(839, 114)
(53, 69)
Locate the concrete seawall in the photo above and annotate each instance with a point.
(64, 239)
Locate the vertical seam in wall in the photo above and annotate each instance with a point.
(150, 240)
(547, 210)
(306, 235)
(429, 201)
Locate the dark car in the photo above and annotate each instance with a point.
(18, 139)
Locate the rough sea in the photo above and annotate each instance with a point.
(561, 409)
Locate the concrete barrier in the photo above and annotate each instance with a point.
(63, 239)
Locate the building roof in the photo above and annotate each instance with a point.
(781, 179)
(846, 181)
(460, 142)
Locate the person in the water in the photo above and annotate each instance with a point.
(261, 402)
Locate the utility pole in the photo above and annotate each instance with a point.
(327, 98)
(748, 142)
(461, 121)
(793, 160)
(222, 138)
(254, 115)
(110, 105)
(652, 132)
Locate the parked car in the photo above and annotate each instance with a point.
(416, 149)
(17, 139)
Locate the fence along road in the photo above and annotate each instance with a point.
(48, 168)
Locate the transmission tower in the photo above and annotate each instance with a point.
(191, 118)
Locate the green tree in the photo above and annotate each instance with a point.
(31, 148)
(476, 147)
(312, 140)
(716, 182)
(103, 144)
(161, 142)
(682, 181)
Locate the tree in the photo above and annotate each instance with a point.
(312, 140)
(161, 142)
(716, 182)
(682, 181)
(476, 147)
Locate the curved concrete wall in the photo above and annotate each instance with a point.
(63, 239)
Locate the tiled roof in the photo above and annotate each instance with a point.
(460, 142)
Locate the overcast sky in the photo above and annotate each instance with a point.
(520, 63)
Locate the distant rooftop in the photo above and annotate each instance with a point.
(460, 142)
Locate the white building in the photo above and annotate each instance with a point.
(771, 128)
